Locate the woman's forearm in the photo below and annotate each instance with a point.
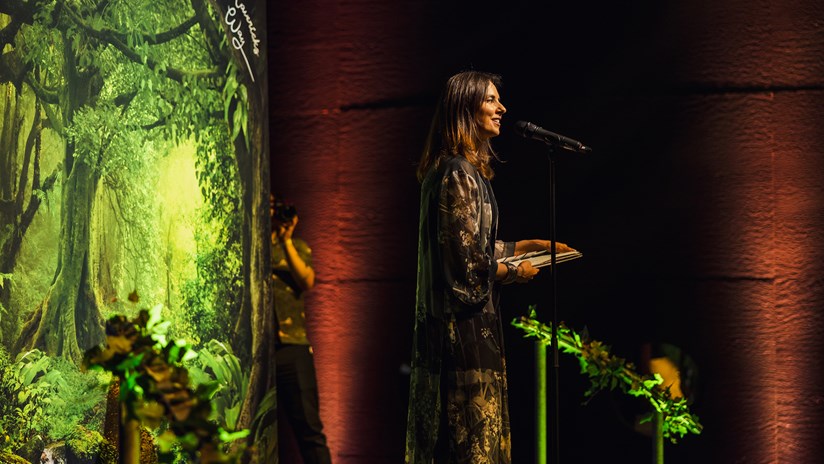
(303, 274)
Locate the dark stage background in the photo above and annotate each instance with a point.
(699, 213)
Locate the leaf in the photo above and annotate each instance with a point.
(130, 363)
(228, 437)
(189, 354)
(155, 316)
(30, 370)
(230, 415)
(237, 121)
(208, 359)
(247, 137)
(228, 95)
(208, 389)
(267, 405)
(236, 370)
(166, 441)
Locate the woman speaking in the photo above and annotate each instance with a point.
(458, 409)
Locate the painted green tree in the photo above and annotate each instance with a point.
(22, 185)
(112, 78)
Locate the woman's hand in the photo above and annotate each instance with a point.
(525, 246)
(559, 247)
(525, 272)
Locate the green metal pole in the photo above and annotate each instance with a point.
(540, 403)
(658, 437)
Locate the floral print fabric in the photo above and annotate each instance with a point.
(458, 409)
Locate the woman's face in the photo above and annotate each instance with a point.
(489, 115)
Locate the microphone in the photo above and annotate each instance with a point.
(531, 131)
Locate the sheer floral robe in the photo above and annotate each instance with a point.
(458, 410)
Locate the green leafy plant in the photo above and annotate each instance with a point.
(49, 400)
(154, 387)
(74, 399)
(217, 364)
(25, 400)
(607, 371)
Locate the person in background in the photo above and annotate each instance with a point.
(297, 390)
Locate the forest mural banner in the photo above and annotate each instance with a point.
(133, 176)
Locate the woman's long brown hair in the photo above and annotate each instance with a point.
(454, 129)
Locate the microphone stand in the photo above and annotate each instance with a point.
(540, 348)
(554, 305)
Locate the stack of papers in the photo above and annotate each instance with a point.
(541, 258)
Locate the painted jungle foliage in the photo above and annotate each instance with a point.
(133, 182)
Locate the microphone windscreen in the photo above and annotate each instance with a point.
(522, 128)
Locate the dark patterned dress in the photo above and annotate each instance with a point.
(458, 410)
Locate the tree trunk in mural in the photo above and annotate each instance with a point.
(253, 167)
(256, 219)
(68, 321)
(16, 214)
(9, 209)
(8, 148)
